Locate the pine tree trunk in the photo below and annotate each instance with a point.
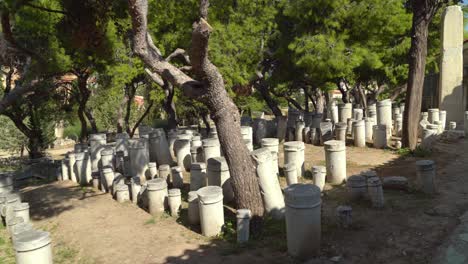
(169, 105)
(417, 63)
(272, 103)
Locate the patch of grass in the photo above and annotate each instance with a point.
(150, 221)
(65, 254)
(418, 152)
(7, 252)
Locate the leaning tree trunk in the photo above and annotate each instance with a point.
(417, 64)
(92, 121)
(169, 105)
(262, 88)
(83, 100)
(210, 90)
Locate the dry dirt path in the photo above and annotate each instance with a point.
(407, 231)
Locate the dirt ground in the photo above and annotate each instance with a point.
(96, 229)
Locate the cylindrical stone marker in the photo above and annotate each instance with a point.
(426, 175)
(22, 210)
(217, 174)
(64, 166)
(80, 168)
(433, 115)
(303, 223)
(358, 114)
(369, 123)
(380, 136)
(349, 126)
(139, 158)
(290, 173)
(345, 112)
(357, 187)
(319, 174)
(384, 115)
(6, 183)
(33, 247)
(452, 125)
(175, 201)
(211, 148)
(159, 147)
(157, 195)
(210, 200)
(271, 190)
(273, 145)
(375, 192)
(398, 125)
(243, 225)
(152, 171)
(165, 172)
(197, 176)
(96, 144)
(443, 118)
(177, 177)
(182, 152)
(108, 177)
(135, 189)
(72, 161)
(340, 131)
(192, 211)
(107, 157)
(359, 133)
(294, 154)
(335, 160)
(122, 193)
(299, 127)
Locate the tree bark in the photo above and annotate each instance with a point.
(306, 99)
(120, 117)
(92, 121)
(83, 100)
(423, 11)
(210, 90)
(262, 88)
(169, 105)
(320, 105)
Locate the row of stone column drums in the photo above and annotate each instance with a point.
(31, 245)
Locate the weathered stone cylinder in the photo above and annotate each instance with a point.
(271, 190)
(349, 126)
(139, 158)
(259, 130)
(380, 136)
(335, 160)
(211, 148)
(398, 125)
(294, 154)
(107, 157)
(357, 187)
(273, 145)
(340, 131)
(122, 193)
(80, 168)
(197, 176)
(96, 143)
(443, 118)
(303, 220)
(182, 152)
(281, 127)
(247, 133)
(290, 173)
(72, 161)
(6, 182)
(319, 174)
(22, 210)
(64, 167)
(108, 179)
(375, 192)
(171, 138)
(298, 132)
(333, 111)
(369, 123)
(175, 201)
(433, 115)
(20, 228)
(33, 246)
(121, 143)
(217, 174)
(243, 225)
(452, 125)
(210, 201)
(192, 211)
(345, 111)
(426, 174)
(135, 189)
(152, 171)
(177, 177)
(384, 115)
(358, 114)
(159, 147)
(359, 133)
(165, 172)
(157, 196)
